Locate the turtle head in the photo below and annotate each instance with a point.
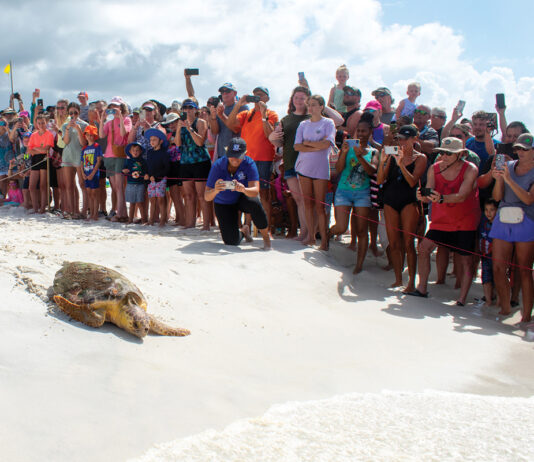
(134, 318)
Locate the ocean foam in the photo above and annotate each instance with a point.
(389, 426)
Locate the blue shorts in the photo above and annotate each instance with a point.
(265, 167)
(290, 173)
(355, 198)
(513, 232)
(487, 270)
(135, 193)
(94, 183)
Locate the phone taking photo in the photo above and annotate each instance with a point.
(301, 76)
(425, 192)
(391, 150)
(499, 99)
(499, 161)
(191, 71)
(252, 99)
(353, 143)
(460, 106)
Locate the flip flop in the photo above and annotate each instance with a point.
(416, 293)
(459, 303)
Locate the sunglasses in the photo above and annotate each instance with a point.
(350, 93)
(420, 111)
(438, 116)
(148, 108)
(226, 91)
(380, 95)
(521, 149)
(73, 113)
(459, 137)
(60, 108)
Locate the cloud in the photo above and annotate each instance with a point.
(139, 49)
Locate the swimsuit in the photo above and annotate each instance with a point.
(397, 192)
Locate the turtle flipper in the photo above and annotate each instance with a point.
(157, 327)
(82, 313)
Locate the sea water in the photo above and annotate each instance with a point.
(387, 426)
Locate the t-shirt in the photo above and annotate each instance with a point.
(429, 134)
(90, 155)
(525, 182)
(84, 113)
(136, 165)
(259, 147)
(314, 164)
(71, 152)
(387, 117)
(245, 173)
(290, 124)
(354, 177)
(479, 147)
(225, 134)
(117, 138)
(46, 140)
(484, 230)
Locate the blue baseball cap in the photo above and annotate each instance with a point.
(227, 86)
(263, 89)
(189, 103)
(236, 148)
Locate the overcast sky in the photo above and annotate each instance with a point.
(138, 50)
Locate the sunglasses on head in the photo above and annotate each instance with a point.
(350, 93)
(420, 111)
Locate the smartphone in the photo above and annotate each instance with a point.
(505, 148)
(492, 120)
(499, 161)
(252, 99)
(499, 99)
(40, 102)
(230, 185)
(391, 150)
(183, 116)
(191, 72)
(301, 76)
(110, 111)
(425, 192)
(353, 143)
(460, 106)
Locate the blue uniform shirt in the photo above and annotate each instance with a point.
(246, 172)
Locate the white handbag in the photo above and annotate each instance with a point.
(511, 215)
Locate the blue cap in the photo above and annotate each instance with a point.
(263, 89)
(189, 103)
(227, 86)
(236, 148)
(158, 134)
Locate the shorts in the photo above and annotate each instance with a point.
(156, 189)
(94, 183)
(513, 232)
(265, 168)
(26, 183)
(69, 159)
(290, 173)
(135, 193)
(53, 176)
(355, 198)
(37, 162)
(198, 171)
(487, 270)
(461, 242)
(174, 174)
(113, 165)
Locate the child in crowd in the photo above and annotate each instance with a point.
(158, 165)
(407, 106)
(335, 100)
(91, 158)
(490, 211)
(14, 195)
(135, 168)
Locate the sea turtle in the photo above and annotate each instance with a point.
(94, 294)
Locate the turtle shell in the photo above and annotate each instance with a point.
(86, 283)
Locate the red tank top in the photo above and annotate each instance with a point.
(462, 216)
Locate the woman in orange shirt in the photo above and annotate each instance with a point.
(39, 146)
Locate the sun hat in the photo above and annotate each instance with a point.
(129, 146)
(451, 144)
(158, 134)
(91, 130)
(170, 118)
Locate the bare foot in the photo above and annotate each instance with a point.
(504, 313)
(291, 235)
(440, 282)
(408, 289)
(376, 252)
(161, 224)
(308, 243)
(357, 270)
(205, 228)
(352, 246)
(387, 267)
(396, 284)
(246, 233)
(267, 243)
(324, 246)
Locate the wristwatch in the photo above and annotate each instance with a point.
(441, 198)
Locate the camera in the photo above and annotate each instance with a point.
(183, 116)
(213, 101)
(252, 99)
(16, 95)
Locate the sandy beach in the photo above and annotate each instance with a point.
(290, 325)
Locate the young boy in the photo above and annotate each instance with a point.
(490, 210)
(135, 168)
(407, 106)
(91, 160)
(158, 165)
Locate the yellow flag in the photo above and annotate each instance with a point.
(7, 69)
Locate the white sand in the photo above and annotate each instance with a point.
(267, 327)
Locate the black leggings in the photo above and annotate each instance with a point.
(227, 216)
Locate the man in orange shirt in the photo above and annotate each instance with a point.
(256, 125)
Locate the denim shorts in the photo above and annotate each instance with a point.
(135, 193)
(355, 198)
(290, 173)
(513, 232)
(265, 168)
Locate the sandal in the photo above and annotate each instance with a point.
(416, 293)
(123, 220)
(459, 303)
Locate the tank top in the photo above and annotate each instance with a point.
(378, 134)
(338, 100)
(409, 108)
(525, 182)
(191, 152)
(462, 216)
(396, 188)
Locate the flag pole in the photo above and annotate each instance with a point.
(11, 74)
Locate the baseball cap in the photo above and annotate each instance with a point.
(136, 110)
(189, 103)
(380, 91)
(525, 141)
(263, 89)
(236, 148)
(83, 93)
(373, 105)
(227, 86)
(116, 101)
(351, 91)
(24, 114)
(451, 144)
(407, 131)
(91, 130)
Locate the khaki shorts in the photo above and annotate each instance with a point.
(113, 165)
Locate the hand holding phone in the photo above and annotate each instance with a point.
(425, 192)
(252, 99)
(355, 143)
(460, 107)
(391, 150)
(191, 71)
(499, 100)
(499, 161)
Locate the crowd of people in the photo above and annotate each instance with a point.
(403, 176)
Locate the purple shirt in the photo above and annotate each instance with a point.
(314, 164)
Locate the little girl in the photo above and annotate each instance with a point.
(335, 100)
(407, 106)
(14, 195)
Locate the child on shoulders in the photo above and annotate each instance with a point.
(335, 100)
(407, 106)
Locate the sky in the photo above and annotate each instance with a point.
(466, 50)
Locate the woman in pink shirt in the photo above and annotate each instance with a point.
(116, 129)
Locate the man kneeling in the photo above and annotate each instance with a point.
(233, 184)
